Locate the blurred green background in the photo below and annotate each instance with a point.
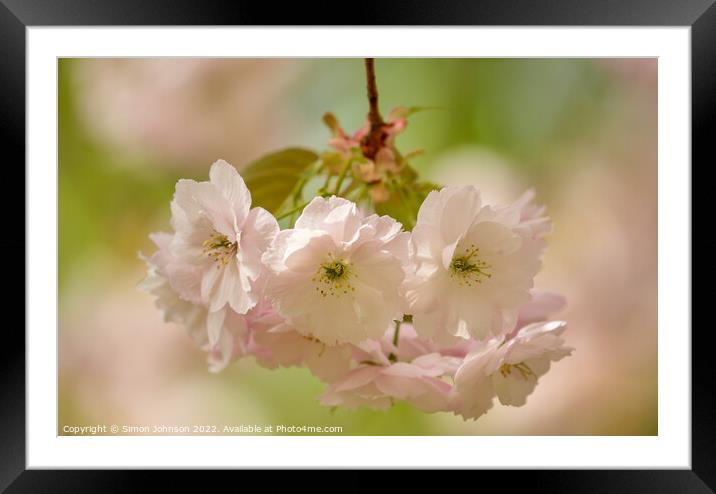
(583, 132)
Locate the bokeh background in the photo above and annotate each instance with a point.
(583, 132)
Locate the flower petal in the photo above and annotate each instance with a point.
(232, 187)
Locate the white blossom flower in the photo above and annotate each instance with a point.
(337, 275)
(173, 307)
(377, 386)
(218, 243)
(224, 339)
(282, 345)
(474, 264)
(509, 369)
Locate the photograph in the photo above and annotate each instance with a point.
(357, 246)
(440, 237)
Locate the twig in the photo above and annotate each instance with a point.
(373, 140)
(292, 211)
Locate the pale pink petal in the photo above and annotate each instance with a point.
(356, 378)
(513, 389)
(232, 187)
(214, 325)
(541, 307)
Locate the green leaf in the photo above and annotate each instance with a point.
(405, 201)
(273, 177)
(424, 188)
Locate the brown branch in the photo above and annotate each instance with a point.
(373, 140)
(376, 121)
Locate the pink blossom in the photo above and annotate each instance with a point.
(236, 338)
(218, 243)
(377, 386)
(508, 369)
(223, 339)
(337, 275)
(282, 346)
(474, 264)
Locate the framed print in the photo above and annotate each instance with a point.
(449, 238)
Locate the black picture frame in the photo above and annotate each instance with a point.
(16, 15)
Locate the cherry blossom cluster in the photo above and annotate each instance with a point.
(443, 316)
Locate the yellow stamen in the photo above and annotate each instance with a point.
(522, 368)
(332, 278)
(469, 269)
(219, 249)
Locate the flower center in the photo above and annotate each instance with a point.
(220, 249)
(332, 278)
(468, 269)
(522, 369)
(334, 270)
